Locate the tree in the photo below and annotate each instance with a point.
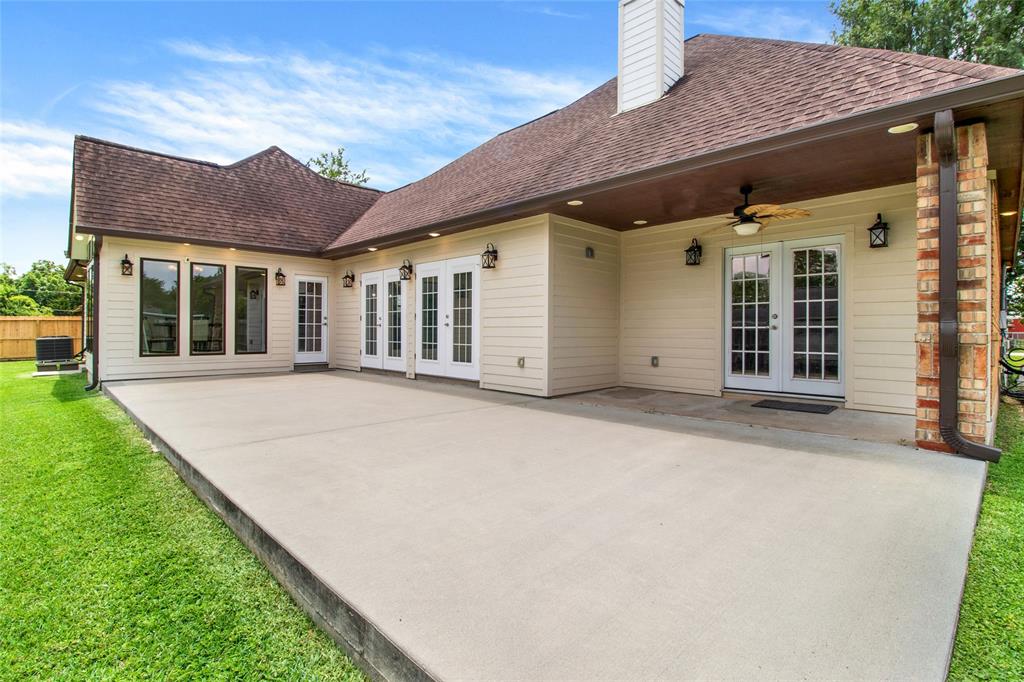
(986, 31)
(44, 283)
(334, 165)
(13, 303)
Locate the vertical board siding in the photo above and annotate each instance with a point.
(119, 311)
(18, 334)
(585, 307)
(675, 312)
(513, 305)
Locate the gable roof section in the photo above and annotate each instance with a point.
(269, 201)
(735, 90)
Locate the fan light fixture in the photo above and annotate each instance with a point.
(747, 226)
(748, 219)
(903, 128)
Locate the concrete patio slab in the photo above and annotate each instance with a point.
(496, 536)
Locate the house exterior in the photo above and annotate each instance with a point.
(553, 258)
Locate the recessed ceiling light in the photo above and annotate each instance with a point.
(186, 244)
(639, 222)
(575, 202)
(372, 248)
(903, 128)
(79, 237)
(1007, 213)
(231, 248)
(434, 234)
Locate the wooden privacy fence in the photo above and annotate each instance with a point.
(18, 334)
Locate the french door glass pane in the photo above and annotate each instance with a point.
(428, 351)
(310, 332)
(750, 338)
(816, 313)
(394, 319)
(462, 317)
(370, 319)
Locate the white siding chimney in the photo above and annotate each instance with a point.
(650, 50)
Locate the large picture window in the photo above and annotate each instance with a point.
(250, 310)
(158, 303)
(206, 309)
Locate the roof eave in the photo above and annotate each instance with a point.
(174, 239)
(986, 92)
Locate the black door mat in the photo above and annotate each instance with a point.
(812, 408)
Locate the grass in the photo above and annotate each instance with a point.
(990, 637)
(111, 568)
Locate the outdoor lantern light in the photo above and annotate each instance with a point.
(348, 279)
(279, 277)
(126, 266)
(489, 257)
(405, 272)
(878, 234)
(693, 253)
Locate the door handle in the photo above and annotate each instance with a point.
(775, 326)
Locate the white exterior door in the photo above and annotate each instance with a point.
(381, 319)
(448, 318)
(371, 320)
(311, 315)
(783, 317)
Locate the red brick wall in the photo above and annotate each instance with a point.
(975, 274)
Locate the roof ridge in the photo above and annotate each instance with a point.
(322, 177)
(943, 65)
(149, 152)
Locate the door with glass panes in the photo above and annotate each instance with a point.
(448, 318)
(311, 312)
(783, 317)
(381, 320)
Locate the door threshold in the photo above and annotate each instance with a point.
(779, 394)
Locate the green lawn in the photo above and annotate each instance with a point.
(111, 568)
(990, 637)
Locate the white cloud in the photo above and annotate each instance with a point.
(398, 114)
(34, 159)
(760, 21)
(548, 11)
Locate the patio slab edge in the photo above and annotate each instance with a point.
(369, 648)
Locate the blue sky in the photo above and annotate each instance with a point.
(404, 86)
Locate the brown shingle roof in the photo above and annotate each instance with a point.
(269, 200)
(735, 90)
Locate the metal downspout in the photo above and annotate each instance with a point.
(949, 355)
(96, 316)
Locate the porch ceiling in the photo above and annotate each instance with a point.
(816, 168)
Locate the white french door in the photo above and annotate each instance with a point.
(448, 318)
(783, 317)
(311, 314)
(381, 321)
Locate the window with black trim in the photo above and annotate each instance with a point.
(250, 310)
(158, 306)
(207, 303)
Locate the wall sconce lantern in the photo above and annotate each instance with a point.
(489, 257)
(126, 266)
(348, 279)
(405, 272)
(279, 278)
(693, 253)
(878, 234)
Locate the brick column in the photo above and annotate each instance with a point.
(975, 277)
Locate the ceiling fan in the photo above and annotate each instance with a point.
(750, 217)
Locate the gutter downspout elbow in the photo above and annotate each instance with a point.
(949, 344)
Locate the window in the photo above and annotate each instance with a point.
(250, 310)
(206, 309)
(158, 303)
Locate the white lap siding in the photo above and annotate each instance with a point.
(675, 312)
(119, 310)
(514, 299)
(585, 307)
